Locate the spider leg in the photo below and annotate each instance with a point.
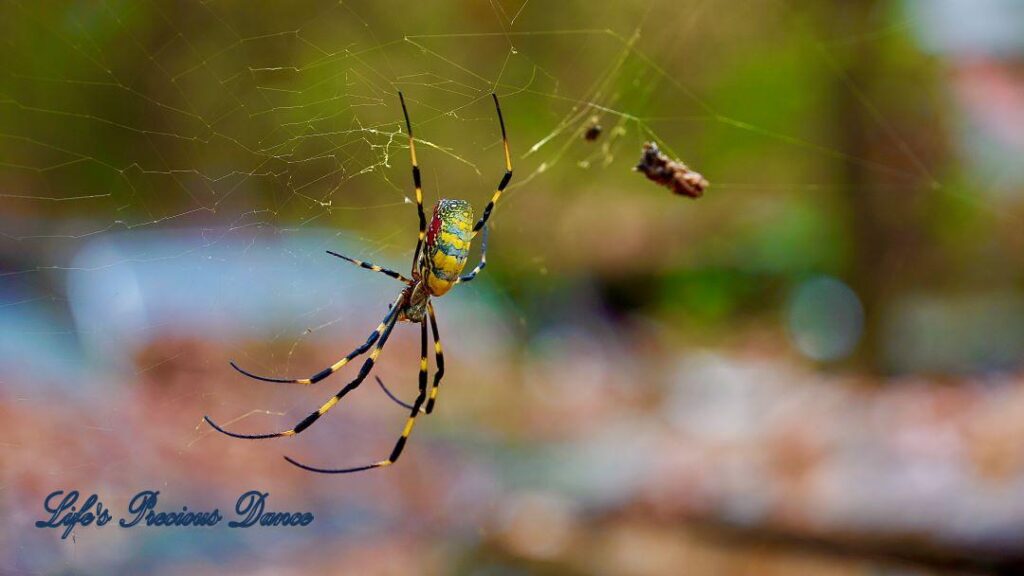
(483, 260)
(438, 375)
(337, 365)
(308, 421)
(373, 267)
(417, 182)
(414, 411)
(391, 395)
(504, 179)
(438, 358)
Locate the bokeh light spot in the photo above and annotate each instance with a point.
(825, 319)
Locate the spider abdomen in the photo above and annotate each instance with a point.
(447, 244)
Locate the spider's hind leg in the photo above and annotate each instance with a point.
(393, 397)
(386, 326)
(438, 359)
(414, 411)
(359, 351)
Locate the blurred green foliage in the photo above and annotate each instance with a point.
(825, 132)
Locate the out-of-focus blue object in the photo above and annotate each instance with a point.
(123, 290)
(969, 27)
(982, 43)
(825, 319)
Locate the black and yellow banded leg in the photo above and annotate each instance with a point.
(483, 260)
(337, 365)
(438, 359)
(373, 267)
(438, 375)
(394, 398)
(308, 421)
(417, 181)
(504, 179)
(414, 411)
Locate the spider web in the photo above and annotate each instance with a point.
(231, 124)
(168, 169)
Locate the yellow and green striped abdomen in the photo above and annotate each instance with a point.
(447, 244)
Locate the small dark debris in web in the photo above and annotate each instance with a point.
(593, 131)
(671, 174)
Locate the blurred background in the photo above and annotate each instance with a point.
(816, 368)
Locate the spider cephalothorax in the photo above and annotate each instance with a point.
(437, 264)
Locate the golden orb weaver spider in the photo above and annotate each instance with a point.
(441, 253)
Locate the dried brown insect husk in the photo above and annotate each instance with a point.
(672, 174)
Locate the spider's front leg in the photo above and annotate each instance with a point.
(505, 179)
(483, 261)
(373, 267)
(417, 182)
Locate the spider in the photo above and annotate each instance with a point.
(442, 249)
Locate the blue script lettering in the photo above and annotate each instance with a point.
(66, 514)
(143, 508)
(251, 508)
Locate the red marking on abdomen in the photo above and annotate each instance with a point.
(434, 228)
